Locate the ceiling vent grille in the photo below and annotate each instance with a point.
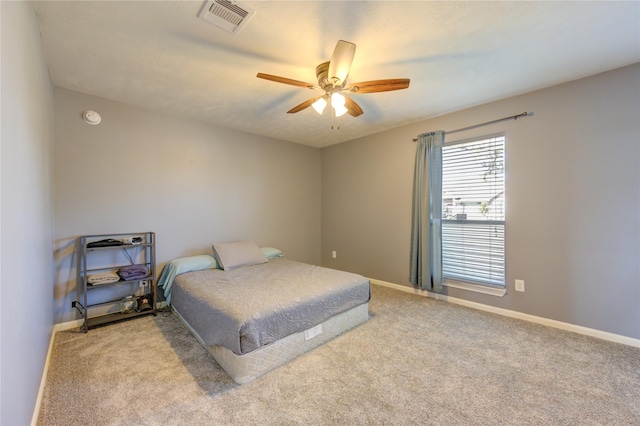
(228, 15)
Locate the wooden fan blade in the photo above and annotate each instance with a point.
(374, 86)
(340, 62)
(352, 107)
(306, 104)
(288, 81)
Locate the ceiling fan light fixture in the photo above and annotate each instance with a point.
(340, 110)
(332, 76)
(319, 105)
(337, 102)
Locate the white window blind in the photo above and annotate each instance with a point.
(473, 211)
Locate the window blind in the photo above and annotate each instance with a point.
(473, 211)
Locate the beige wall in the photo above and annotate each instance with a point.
(573, 201)
(26, 226)
(191, 182)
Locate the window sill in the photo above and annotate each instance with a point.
(478, 288)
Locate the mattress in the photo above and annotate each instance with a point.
(247, 308)
(256, 318)
(246, 368)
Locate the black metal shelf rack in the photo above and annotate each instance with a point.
(145, 254)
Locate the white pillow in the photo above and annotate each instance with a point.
(235, 255)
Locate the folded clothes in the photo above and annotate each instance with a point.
(133, 272)
(103, 278)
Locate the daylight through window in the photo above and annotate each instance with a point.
(473, 211)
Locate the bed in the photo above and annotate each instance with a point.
(254, 310)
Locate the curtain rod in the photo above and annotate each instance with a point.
(513, 117)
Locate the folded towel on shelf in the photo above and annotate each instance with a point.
(133, 272)
(103, 278)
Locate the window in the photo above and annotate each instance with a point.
(473, 211)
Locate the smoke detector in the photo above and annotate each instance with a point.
(228, 15)
(91, 117)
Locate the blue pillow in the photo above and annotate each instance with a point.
(182, 265)
(271, 252)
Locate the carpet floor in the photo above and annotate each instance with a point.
(416, 361)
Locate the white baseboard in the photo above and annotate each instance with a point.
(518, 315)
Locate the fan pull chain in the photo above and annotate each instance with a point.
(333, 115)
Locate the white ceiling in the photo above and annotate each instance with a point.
(160, 55)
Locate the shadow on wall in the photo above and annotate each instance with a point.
(64, 291)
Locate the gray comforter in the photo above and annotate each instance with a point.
(246, 308)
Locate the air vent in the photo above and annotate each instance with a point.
(228, 15)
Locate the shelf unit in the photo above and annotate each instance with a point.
(91, 260)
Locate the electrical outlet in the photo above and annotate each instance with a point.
(520, 285)
(334, 254)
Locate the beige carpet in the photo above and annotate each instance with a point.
(416, 361)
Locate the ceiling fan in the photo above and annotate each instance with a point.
(332, 81)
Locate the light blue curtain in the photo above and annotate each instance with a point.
(426, 225)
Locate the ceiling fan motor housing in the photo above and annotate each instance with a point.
(322, 72)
